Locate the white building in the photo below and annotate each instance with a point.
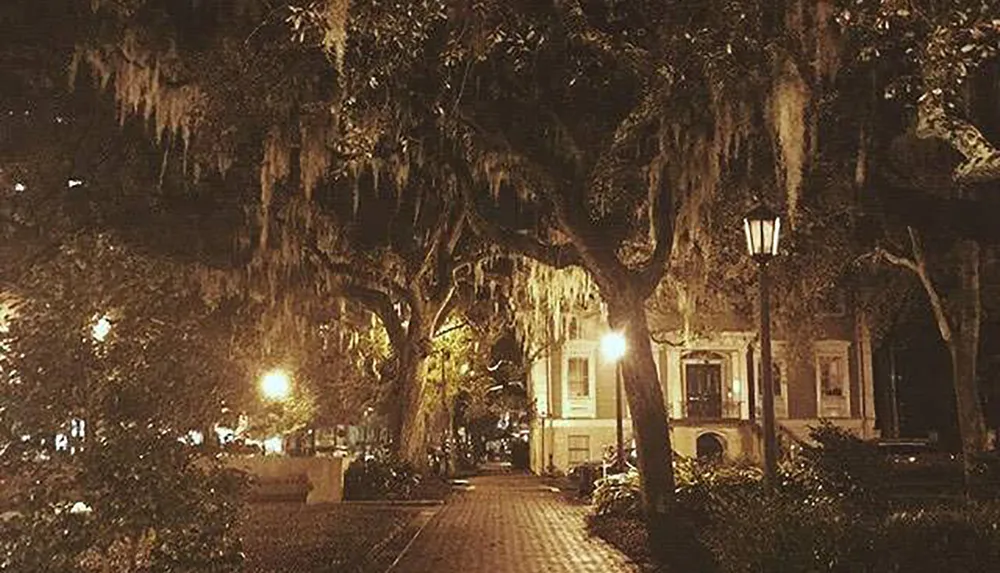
(707, 385)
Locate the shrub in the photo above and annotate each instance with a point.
(131, 504)
(845, 464)
(93, 417)
(380, 476)
(618, 495)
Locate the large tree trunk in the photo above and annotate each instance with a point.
(406, 413)
(671, 535)
(646, 402)
(964, 348)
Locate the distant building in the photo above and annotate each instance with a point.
(711, 388)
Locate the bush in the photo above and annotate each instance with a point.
(618, 495)
(845, 464)
(131, 504)
(939, 539)
(380, 476)
(828, 513)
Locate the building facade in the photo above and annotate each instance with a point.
(710, 386)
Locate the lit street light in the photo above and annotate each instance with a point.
(276, 385)
(101, 328)
(613, 347)
(763, 227)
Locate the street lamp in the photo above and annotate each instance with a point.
(276, 385)
(762, 227)
(613, 347)
(101, 328)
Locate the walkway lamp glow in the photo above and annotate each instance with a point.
(762, 228)
(276, 385)
(613, 348)
(101, 328)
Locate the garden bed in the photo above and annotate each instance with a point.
(327, 537)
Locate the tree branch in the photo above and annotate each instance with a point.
(661, 229)
(897, 260)
(638, 60)
(941, 73)
(918, 264)
(433, 247)
(484, 223)
(383, 306)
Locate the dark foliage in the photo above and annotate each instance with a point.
(381, 475)
(830, 512)
(104, 376)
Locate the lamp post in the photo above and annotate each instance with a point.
(763, 227)
(613, 348)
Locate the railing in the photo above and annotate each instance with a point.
(697, 409)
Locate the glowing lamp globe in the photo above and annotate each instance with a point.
(762, 227)
(613, 346)
(101, 329)
(276, 385)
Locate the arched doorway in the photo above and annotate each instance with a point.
(710, 447)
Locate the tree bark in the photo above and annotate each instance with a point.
(672, 539)
(645, 401)
(964, 349)
(411, 431)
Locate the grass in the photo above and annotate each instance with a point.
(627, 534)
(298, 538)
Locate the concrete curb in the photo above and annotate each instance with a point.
(397, 503)
(424, 518)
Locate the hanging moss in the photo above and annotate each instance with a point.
(542, 295)
(274, 167)
(143, 87)
(314, 158)
(336, 14)
(789, 101)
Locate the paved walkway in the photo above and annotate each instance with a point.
(509, 523)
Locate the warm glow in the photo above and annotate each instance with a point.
(762, 228)
(613, 346)
(273, 445)
(101, 329)
(276, 385)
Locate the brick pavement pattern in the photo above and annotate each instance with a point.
(510, 523)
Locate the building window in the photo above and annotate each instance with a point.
(579, 377)
(777, 376)
(573, 329)
(831, 373)
(778, 370)
(579, 449)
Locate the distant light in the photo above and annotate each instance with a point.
(196, 438)
(273, 445)
(74, 183)
(276, 385)
(19, 187)
(225, 435)
(77, 428)
(101, 329)
(613, 346)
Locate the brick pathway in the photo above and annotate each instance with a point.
(511, 524)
